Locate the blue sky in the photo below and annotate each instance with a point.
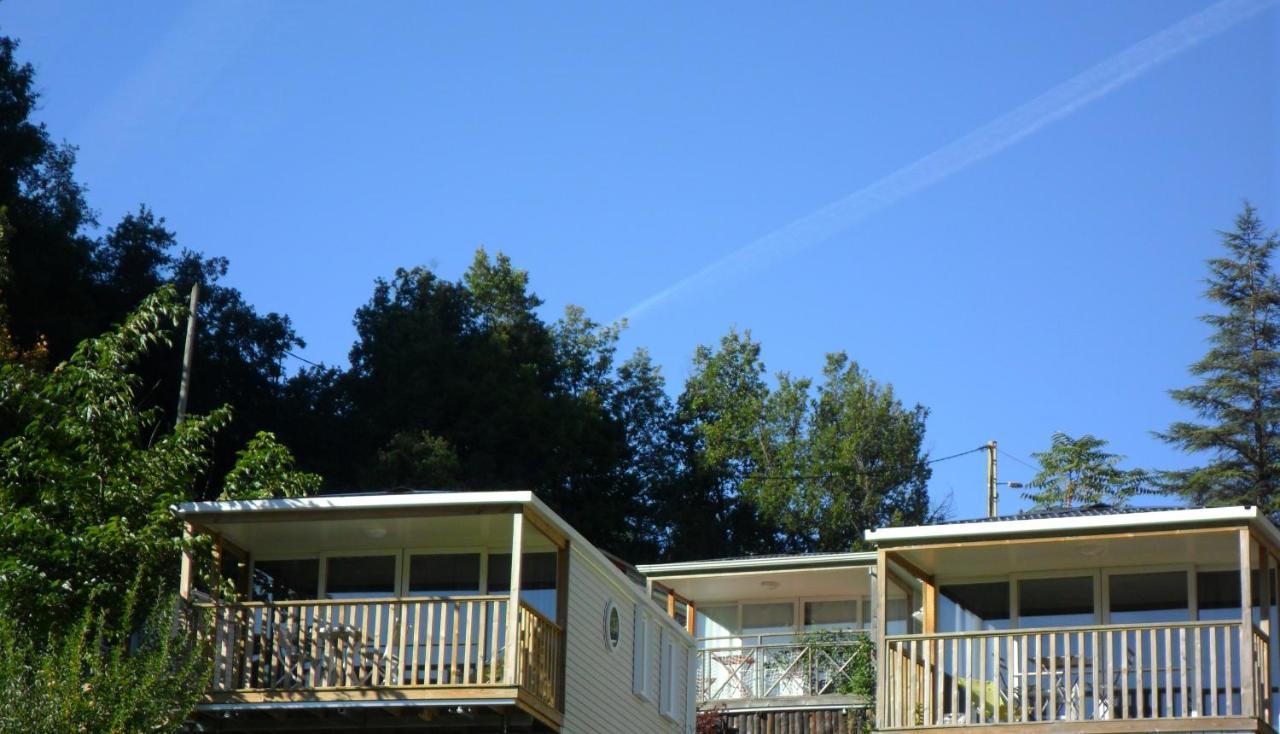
(613, 151)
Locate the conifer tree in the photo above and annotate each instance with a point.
(1237, 399)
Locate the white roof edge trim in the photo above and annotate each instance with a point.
(730, 564)
(1003, 528)
(357, 502)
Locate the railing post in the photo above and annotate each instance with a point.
(1246, 625)
(509, 673)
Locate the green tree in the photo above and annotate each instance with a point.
(1237, 399)
(819, 465)
(88, 478)
(1079, 472)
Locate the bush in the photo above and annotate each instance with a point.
(104, 678)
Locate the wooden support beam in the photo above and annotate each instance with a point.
(547, 529)
(513, 602)
(1247, 693)
(880, 607)
(691, 621)
(187, 575)
(911, 568)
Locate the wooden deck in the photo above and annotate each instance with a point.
(394, 650)
(1185, 676)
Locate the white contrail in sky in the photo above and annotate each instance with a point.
(985, 141)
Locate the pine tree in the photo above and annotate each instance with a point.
(1237, 401)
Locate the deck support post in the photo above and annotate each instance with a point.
(878, 610)
(1247, 693)
(188, 562)
(509, 669)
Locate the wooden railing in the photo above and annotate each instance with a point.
(379, 643)
(735, 669)
(1150, 671)
(539, 653)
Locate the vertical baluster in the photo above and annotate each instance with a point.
(926, 685)
(939, 680)
(434, 642)
(1137, 680)
(1168, 672)
(466, 657)
(1053, 676)
(955, 682)
(1182, 670)
(497, 646)
(982, 680)
(968, 676)
(911, 679)
(1013, 667)
(1094, 664)
(1229, 680)
(1153, 694)
(440, 650)
(1023, 652)
(1213, 670)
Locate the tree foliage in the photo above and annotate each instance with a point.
(87, 479)
(1237, 399)
(100, 676)
(819, 465)
(1079, 472)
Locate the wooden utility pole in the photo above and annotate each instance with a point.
(188, 353)
(993, 495)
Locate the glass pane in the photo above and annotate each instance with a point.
(537, 579)
(444, 574)
(717, 622)
(768, 618)
(866, 614)
(831, 615)
(1055, 602)
(1149, 597)
(973, 607)
(355, 577)
(285, 580)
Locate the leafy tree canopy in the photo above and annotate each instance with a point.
(87, 480)
(820, 465)
(1079, 472)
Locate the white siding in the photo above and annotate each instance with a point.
(598, 687)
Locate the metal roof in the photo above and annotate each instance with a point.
(1094, 510)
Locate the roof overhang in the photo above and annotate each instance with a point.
(749, 563)
(1136, 522)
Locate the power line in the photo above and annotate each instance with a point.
(956, 456)
(303, 359)
(1020, 461)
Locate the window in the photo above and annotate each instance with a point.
(286, 580)
(444, 574)
(973, 607)
(764, 619)
(354, 577)
(1055, 602)
(717, 624)
(537, 579)
(1148, 597)
(641, 653)
(831, 615)
(666, 675)
(612, 626)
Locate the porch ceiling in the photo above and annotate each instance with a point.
(305, 536)
(1003, 557)
(712, 588)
